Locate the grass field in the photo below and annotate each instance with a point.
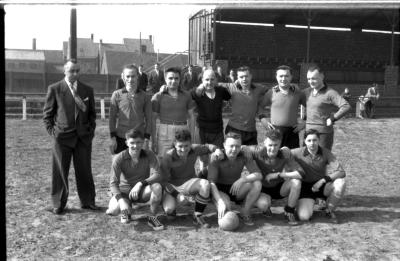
(369, 214)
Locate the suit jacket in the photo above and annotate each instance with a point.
(59, 114)
(190, 81)
(143, 81)
(119, 84)
(156, 81)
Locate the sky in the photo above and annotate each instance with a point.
(50, 24)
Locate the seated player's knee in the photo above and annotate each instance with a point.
(295, 184)
(156, 190)
(204, 185)
(256, 185)
(113, 207)
(339, 186)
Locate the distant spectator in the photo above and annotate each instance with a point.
(190, 79)
(221, 77)
(119, 84)
(373, 96)
(361, 106)
(200, 77)
(346, 95)
(143, 79)
(232, 76)
(156, 78)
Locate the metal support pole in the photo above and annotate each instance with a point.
(73, 37)
(392, 47)
(308, 36)
(23, 108)
(102, 109)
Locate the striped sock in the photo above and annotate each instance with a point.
(201, 204)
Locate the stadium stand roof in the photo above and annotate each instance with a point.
(372, 19)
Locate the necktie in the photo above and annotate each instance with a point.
(78, 101)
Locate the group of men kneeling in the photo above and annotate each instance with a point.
(249, 175)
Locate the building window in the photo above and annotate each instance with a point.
(33, 66)
(22, 65)
(11, 65)
(143, 48)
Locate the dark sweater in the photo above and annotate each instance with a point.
(210, 110)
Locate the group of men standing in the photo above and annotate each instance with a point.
(276, 168)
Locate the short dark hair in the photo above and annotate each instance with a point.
(71, 60)
(273, 134)
(133, 134)
(314, 67)
(284, 67)
(130, 67)
(183, 135)
(311, 132)
(174, 70)
(233, 135)
(243, 69)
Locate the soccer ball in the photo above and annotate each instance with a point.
(229, 222)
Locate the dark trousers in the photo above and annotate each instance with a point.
(326, 140)
(290, 139)
(61, 161)
(121, 145)
(216, 138)
(369, 109)
(248, 137)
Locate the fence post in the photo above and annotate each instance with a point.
(302, 112)
(23, 108)
(102, 109)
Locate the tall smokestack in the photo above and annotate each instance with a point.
(151, 38)
(34, 44)
(91, 37)
(73, 39)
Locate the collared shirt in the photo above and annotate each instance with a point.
(176, 170)
(322, 105)
(283, 161)
(129, 111)
(172, 109)
(72, 86)
(125, 174)
(228, 171)
(245, 106)
(284, 107)
(316, 167)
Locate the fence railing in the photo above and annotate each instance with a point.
(24, 104)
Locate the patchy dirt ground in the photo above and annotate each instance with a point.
(370, 213)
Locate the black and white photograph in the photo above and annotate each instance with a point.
(202, 130)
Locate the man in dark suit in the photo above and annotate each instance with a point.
(143, 81)
(156, 79)
(70, 118)
(190, 79)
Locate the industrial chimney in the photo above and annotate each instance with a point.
(151, 38)
(91, 37)
(34, 44)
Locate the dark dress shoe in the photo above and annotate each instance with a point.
(91, 206)
(58, 211)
